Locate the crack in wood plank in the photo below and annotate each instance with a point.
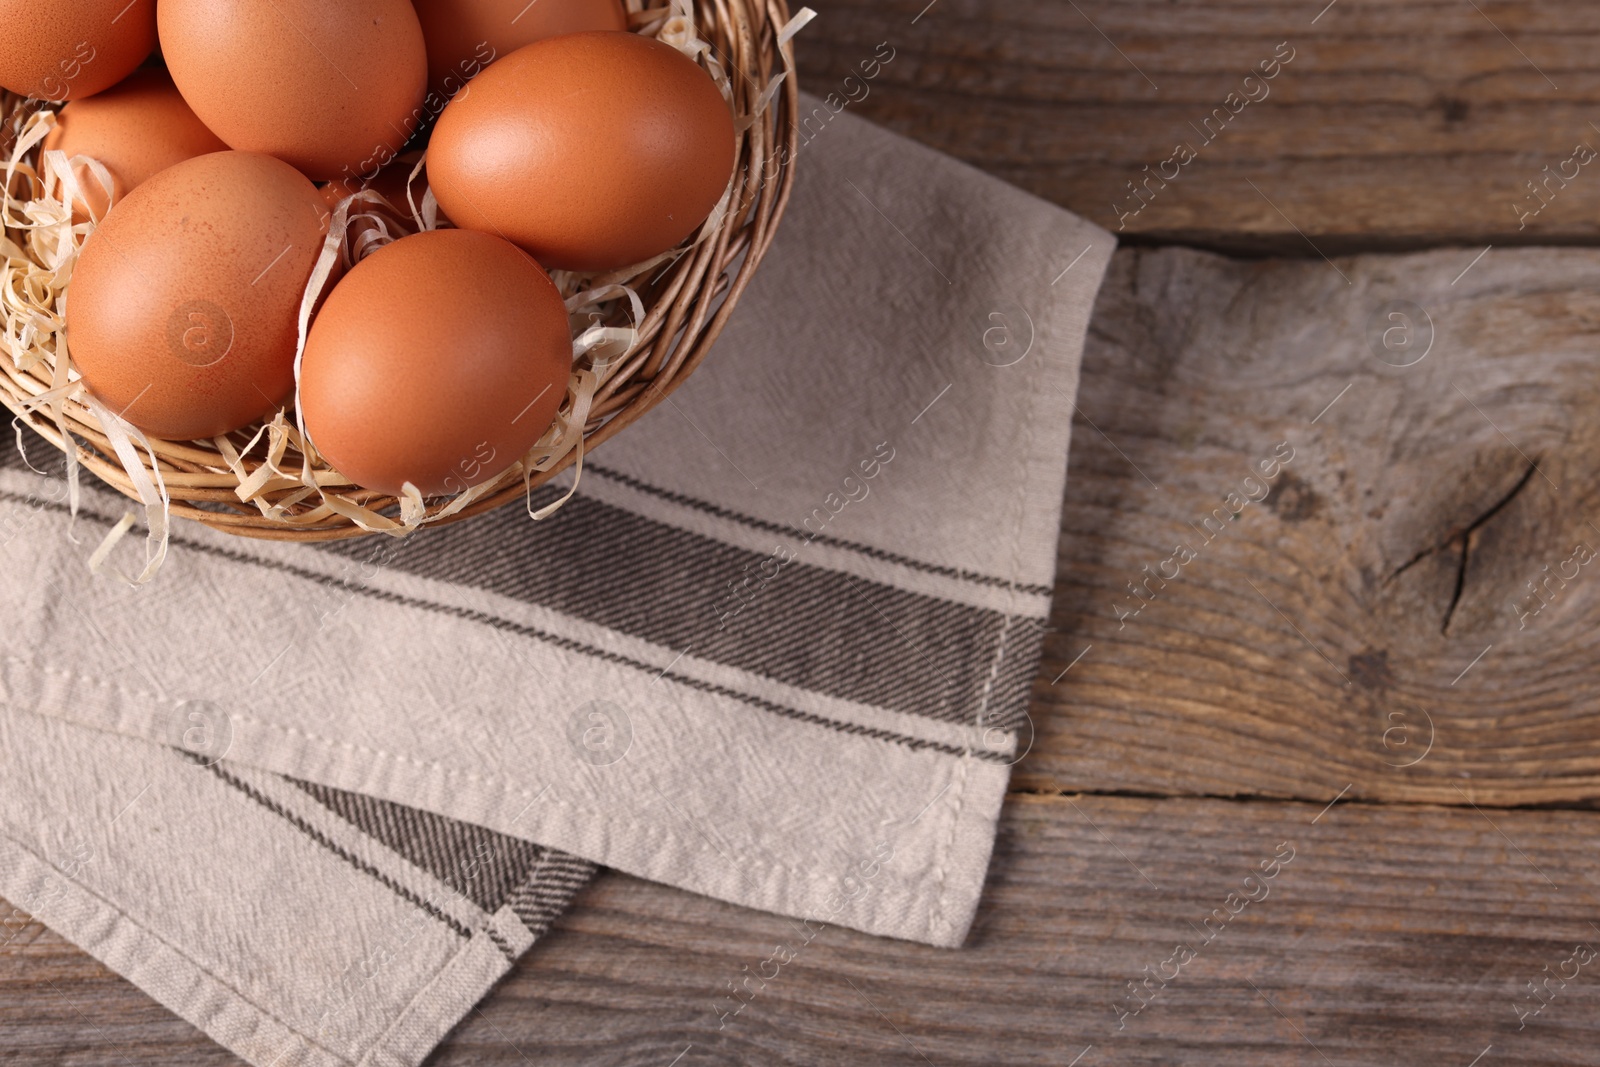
(1464, 535)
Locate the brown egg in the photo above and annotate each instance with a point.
(464, 36)
(137, 128)
(439, 360)
(592, 151)
(182, 312)
(334, 88)
(69, 49)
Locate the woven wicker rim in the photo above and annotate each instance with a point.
(686, 307)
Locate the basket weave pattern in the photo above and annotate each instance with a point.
(685, 297)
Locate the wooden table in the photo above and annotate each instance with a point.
(1338, 679)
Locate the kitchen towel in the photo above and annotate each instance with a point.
(293, 923)
(777, 649)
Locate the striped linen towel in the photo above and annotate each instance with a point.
(777, 649)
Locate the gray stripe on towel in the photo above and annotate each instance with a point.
(808, 626)
(482, 865)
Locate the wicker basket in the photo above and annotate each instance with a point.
(685, 296)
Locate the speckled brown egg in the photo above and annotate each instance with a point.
(182, 311)
(592, 151)
(333, 88)
(137, 128)
(465, 36)
(439, 360)
(69, 49)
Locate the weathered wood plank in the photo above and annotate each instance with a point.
(1397, 123)
(1394, 934)
(1320, 638)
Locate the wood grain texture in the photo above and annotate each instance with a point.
(1323, 637)
(1394, 934)
(1397, 124)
